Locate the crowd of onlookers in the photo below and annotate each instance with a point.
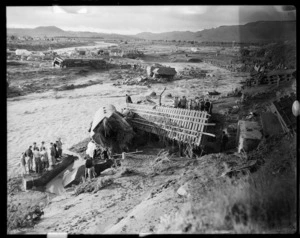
(198, 104)
(39, 159)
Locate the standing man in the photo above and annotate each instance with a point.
(189, 106)
(59, 147)
(224, 141)
(44, 159)
(105, 154)
(207, 105)
(29, 158)
(91, 149)
(182, 102)
(37, 160)
(176, 102)
(42, 145)
(23, 163)
(128, 99)
(194, 105)
(201, 104)
(34, 146)
(52, 153)
(89, 167)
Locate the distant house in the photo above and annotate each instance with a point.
(195, 49)
(116, 52)
(81, 52)
(164, 72)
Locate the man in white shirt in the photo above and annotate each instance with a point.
(91, 148)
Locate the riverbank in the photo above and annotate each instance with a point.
(148, 196)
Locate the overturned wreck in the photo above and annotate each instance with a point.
(95, 63)
(185, 126)
(109, 129)
(161, 72)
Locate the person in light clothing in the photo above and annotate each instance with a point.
(42, 145)
(91, 148)
(44, 159)
(37, 160)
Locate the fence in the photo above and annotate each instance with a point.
(187, 126)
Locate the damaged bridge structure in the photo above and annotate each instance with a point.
(187, 127)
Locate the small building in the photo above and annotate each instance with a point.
(116, 53)
(81, 52)
(164, 72)
(248, 135)
(194, 49)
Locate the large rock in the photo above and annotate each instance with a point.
(182, 191)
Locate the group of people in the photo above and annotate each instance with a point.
(38, 159)
(198, 104)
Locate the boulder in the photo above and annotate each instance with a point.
(109, 171)
(153, 94)
(182, 191)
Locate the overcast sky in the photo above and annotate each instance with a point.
(136, 19)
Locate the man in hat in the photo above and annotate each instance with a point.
(128, 99)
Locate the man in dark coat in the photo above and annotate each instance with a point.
(29, 158)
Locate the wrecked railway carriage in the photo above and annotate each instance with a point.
(95, 63)
(161, 72)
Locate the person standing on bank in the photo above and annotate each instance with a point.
(23, 163)
(42, 145)
(29, 158)
(89, 167)
(52, 154)
(37, 160)
(34, 146)
(59, 147)
(44, 159)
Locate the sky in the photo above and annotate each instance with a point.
(136, 19)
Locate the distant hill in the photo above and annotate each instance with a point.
(250, 32)
(53, 31)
